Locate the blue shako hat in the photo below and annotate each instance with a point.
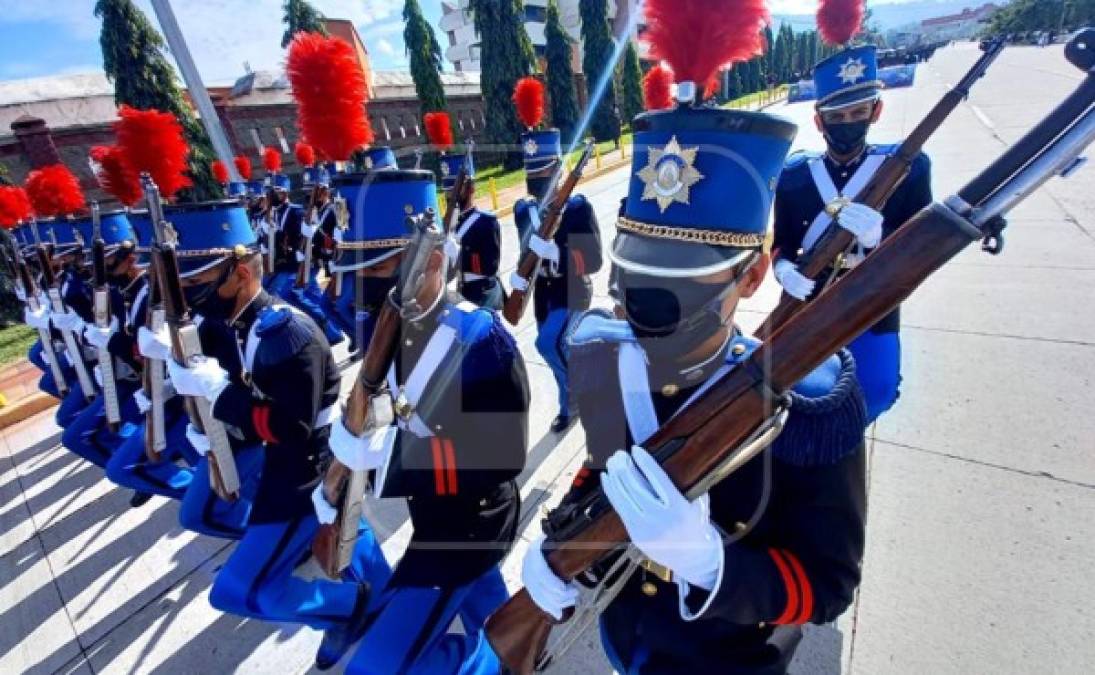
(142, 224)
(308, 176)
(541, 150)
(64, 233)
(701, 190)
(378, 158)
(115, 227)
(256, 187)
(209, 233)
(280, 182)
(847, 78)
(450, 168)
(237, 188)
(379, 203)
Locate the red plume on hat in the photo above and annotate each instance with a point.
(656, 88)
(271, 159)
(243, 166)
(115, 175)
(438, 129)
(331, 91)
(54, 191)
(697, 37)
(839, 21)
(528, 96)
(153, 143)
(14, 206)
(306, 155)
(220, 171)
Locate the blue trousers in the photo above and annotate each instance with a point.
(202, 511)
(130, 467)
(87, 434)
(283, 284)
(878, 368)
(551, 343)
(258, 581)
(37, 356)
(409, 633)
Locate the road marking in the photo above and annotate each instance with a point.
(984, 118)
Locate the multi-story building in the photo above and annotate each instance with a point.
(964, 26)
(463, 44)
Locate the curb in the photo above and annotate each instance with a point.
(24, 408)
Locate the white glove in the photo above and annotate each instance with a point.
(307, 230)
(98, 373)
(68, 321)
(662, 523)
(154, 345)
(38, 318)
(339, 234)
(862, 221)
(549, 592)
(197, 439)
(325, 513)
(370, 450)
(452, 249)
(547, 250)
(144, 404)
(300, 257)
(796, 284)
(99, 338)
(21, 294)
(204, 378)
(518, 282)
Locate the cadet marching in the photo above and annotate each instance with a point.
(723, 582)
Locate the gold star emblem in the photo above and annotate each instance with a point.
(531, 147)
(670, 174)
(445, 171)
(369, 163)
(852, 71)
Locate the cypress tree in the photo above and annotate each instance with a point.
(598, 46)
(769, 49)
(133, 59)
(734, 86)
(560, 76)
(300, 16)
(425, 57)
(505, 56)
(631, 80)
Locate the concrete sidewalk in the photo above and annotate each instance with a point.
(980, 541)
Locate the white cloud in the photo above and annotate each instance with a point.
(384, 46)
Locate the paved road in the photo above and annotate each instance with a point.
(980, 543)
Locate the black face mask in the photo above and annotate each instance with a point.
(671, 317)
(373, 291)
(847, 138)
(205, 300)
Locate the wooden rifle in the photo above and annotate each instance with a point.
(186, 346)
(343, 487)
(546, 221)
(57, 305)
(305, 269)
(835, 242)
(704, 442)
(101, 308)
(34, 302)
(152, 376)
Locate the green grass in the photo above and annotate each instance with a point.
(504, 179)
(15, 340)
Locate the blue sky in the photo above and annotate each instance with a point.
(50, 37)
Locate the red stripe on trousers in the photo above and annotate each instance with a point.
(791, 610)
(438, 466)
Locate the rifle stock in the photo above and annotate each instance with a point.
(111, 407)
(152, 375)
(551, 218)
(836, 241)
(30, 290)
(305, 268)
(72, 346)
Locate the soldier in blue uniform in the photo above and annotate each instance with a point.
(848, 104)
(563, 288)
(475, 244)
(280, 391)
(728, 578)
(457, 381)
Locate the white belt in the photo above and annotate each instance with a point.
(468, 276)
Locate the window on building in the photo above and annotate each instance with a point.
(257, 141)
(452, 38)
(471, 120)
(387, 131)
(535, 13)
(460, 121)
(282, 141)
(474, 52)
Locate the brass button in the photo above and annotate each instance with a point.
(761, 625)
(740, 526)
(408, 343)
(649, 589)
(737, 350)
(483, 503)
(670, 390)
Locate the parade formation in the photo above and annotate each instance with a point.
(721, 506)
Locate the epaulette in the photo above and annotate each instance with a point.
(488, 347)
(283, 333)
(828, 416)
(577, 200)
(471, 322)
(799, 158)
(521, 208)
(592, 342)
(597, 326)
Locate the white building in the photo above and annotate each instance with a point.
(462, 43)
(964, 26)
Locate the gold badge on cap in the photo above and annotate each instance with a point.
(670, 174)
